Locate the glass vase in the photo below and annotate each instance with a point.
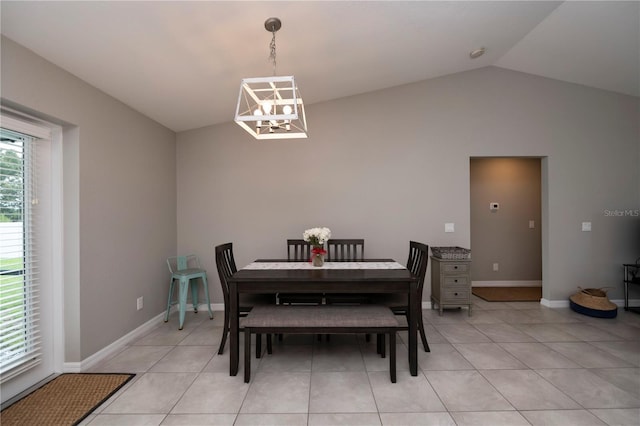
(318, 260)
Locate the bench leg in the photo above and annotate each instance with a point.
(392, 356)
(247, 355)
(259, 345)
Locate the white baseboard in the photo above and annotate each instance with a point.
(104, 353)
(72, 367)
(505, 283)
(87, 363)
(554, 303)
(565, 303)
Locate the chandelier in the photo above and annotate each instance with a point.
(271, 107)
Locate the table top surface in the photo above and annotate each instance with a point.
(320, 274)
(326, 265)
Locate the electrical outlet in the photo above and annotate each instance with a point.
(532, 224)
(140, 302)
(586, 226)
(496, 267)
(449, 227)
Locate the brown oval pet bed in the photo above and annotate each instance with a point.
(594, 303)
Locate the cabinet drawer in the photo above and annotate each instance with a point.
(453, 295)
(453, 280)
(455, 268)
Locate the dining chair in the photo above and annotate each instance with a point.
(345, 250)
(226, 264)
(187, 271)
(299, 250)
(417, 265)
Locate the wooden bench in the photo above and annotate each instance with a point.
(332, 319)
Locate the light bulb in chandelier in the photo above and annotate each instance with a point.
(287, 123)
(266, 106)
(258, 112)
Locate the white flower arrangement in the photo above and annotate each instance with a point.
(317, 236)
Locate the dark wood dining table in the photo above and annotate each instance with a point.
(323, 280)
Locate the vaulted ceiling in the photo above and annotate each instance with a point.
(181, 62)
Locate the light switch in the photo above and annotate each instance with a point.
(532, 224)
(449, 227)
(586, 226)
(494, 206)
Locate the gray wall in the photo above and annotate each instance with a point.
(387, 166)
(503, 236)
(119, 200)
(393, 165)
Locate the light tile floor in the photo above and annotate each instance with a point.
(508, 364)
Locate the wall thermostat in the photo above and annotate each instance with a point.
(494, 206)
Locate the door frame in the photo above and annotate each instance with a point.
(544, 215)
(52, 287)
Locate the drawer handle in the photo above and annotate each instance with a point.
(455, 294)
(455, 267)
(455, 281)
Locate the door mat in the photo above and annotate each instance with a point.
(66, 400)
(509, 294)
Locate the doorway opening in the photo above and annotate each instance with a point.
(506, 203)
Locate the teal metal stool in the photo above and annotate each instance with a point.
(186, 269)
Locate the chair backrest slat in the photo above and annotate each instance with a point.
(182, 262)
(417, 263)
(345, 250)
(226, 265)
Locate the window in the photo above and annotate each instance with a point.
(20, 342)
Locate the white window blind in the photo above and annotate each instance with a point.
(20, 347)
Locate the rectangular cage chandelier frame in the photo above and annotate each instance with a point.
(271, 108)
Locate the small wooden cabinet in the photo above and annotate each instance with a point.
(450, 283)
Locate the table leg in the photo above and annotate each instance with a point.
(626, 288)
(414, 311)
(247, 355)
(392, 356)
(234, 329)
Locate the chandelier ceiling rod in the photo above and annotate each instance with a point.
(273, 25)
